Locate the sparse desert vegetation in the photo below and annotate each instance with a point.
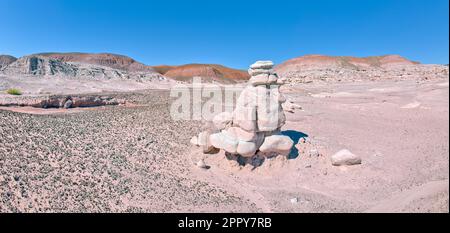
(14, 91)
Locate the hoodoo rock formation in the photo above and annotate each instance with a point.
(252, 132)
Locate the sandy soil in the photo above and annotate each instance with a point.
(400, 129)
(134, 159)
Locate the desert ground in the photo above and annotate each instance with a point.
(134, 158)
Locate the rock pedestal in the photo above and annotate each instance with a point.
(252, 130)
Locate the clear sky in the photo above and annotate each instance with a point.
(232, 32)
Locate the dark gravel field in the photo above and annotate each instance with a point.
(111, 159)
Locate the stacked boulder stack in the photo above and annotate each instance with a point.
(252, 131)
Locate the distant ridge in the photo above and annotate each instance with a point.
(210, 72)
(114, 61)
(6, 60)
(325, 69)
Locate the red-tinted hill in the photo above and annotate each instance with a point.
(309, 62)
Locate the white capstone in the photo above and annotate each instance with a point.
(262, 65)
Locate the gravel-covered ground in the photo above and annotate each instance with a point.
(113, 159)
(135, 158)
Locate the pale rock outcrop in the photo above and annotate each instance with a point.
(5, 60)
(194, 141)
(39, 65)
(252, 131)
(290, 106)
(277, 144)
(60, 101)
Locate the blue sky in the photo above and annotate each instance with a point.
(234, 33)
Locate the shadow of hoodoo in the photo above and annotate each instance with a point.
(295, 136)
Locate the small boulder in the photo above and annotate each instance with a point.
(345, 157)
(68, 104)
(277, 144)
(254, 72)
(203, 140)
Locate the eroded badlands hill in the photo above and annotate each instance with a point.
(320, 68)
(209, 72)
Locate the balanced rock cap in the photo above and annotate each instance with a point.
(262, 65)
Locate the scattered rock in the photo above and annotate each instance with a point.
(254, 124)
(280, 144)
(201, 164)
(262, 65)
(345, 157)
